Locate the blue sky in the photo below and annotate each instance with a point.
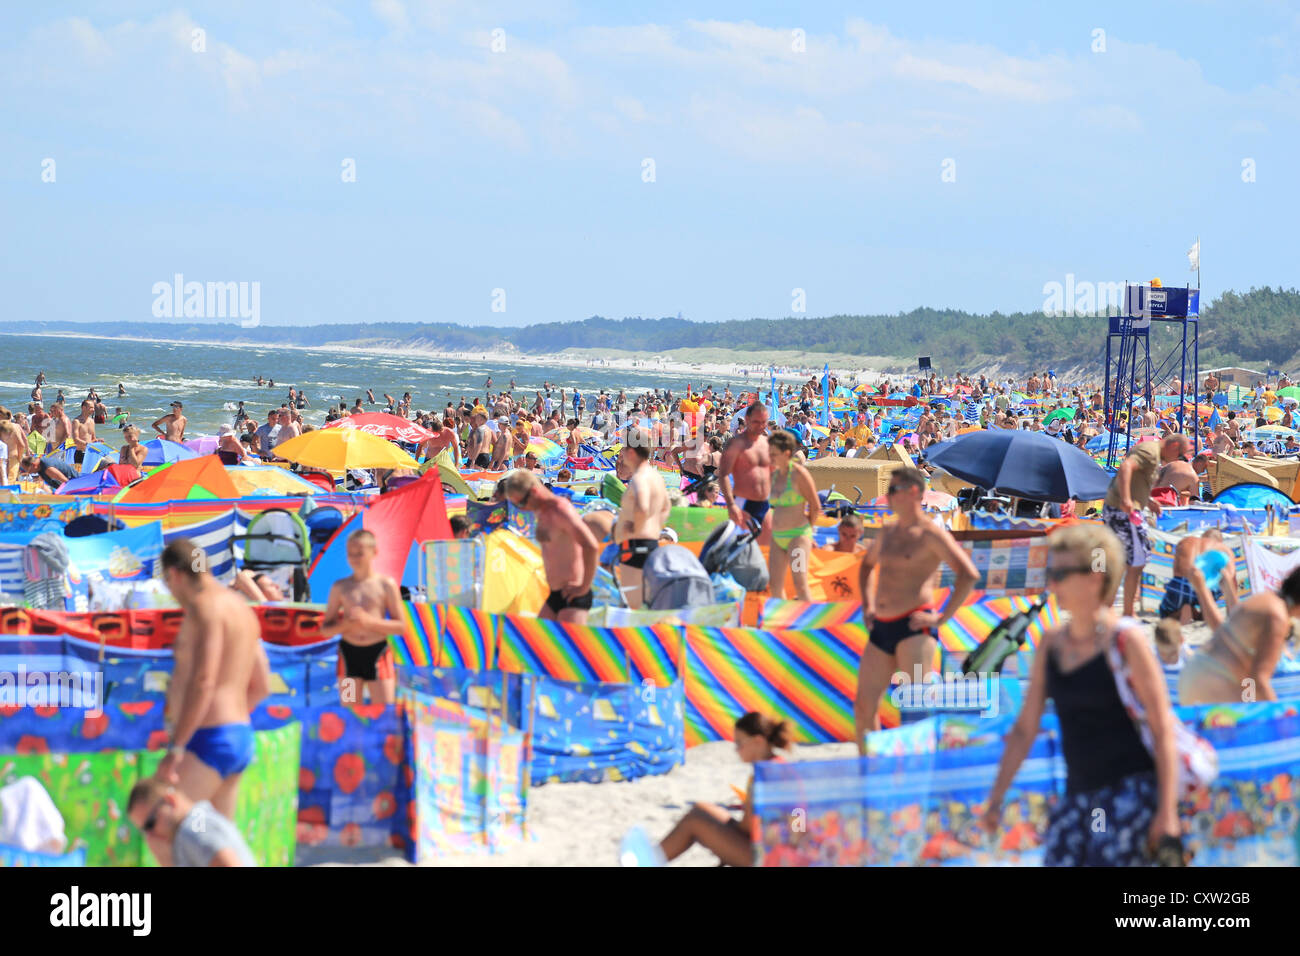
(522, 169)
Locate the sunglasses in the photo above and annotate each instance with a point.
(1060, 574)
(895, 489)
(151, 820)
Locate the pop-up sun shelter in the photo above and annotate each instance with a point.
(400, 521)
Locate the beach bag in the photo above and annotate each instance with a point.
(728, 550)
(672, 578)
(1198, 763)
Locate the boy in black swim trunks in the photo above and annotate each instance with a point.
(898, 611)
(357, 608)
(642, 513)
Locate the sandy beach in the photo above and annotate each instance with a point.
(581, 824)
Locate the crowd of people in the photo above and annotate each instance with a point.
(729, 453)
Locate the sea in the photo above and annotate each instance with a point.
(211, 379)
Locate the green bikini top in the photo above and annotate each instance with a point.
(790, 495)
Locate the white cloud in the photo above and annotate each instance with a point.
(391, 12)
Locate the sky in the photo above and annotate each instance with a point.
(520, 162)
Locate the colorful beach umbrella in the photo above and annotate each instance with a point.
(1276, 431)
(194, 479)
(255, 480)
(384, 425)
(338, 449)
(162, 452)
(1064, 413)
(545, 448)
(1291, 391)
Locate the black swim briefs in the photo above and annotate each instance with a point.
(634, 551)
(557, 602)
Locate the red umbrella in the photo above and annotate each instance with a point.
(383, 425)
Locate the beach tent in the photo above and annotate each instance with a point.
(1252, 495)
(112, 478)
(194, 479)
(400, 521)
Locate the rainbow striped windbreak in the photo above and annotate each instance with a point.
(804, 674)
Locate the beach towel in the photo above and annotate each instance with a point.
(46, 571)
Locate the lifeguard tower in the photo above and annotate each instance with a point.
(1130, 373)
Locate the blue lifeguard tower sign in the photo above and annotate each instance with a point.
(1130, 375)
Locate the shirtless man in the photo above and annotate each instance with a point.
(220, 675)
(1233, 428)
(443, 437)
(15, 445)
(365, 607)
(83, 430)
(1223, 443)
(1180, 476)
(569, 549)
(175, 424)
(133, 452)
(1188, 590)
(898, 611)
(502, 443)
(748, 463)
(641, 514)
(478, 447)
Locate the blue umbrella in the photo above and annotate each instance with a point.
(1022, 463)
(164, 452)
(1102, 441)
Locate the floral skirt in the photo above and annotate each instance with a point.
(1103, 827)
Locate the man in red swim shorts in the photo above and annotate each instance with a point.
(898, 611)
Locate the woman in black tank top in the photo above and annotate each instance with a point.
(1121, 799)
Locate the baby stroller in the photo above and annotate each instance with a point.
(728, 550)
(672, 579)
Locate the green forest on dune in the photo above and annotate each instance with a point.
(1257, 328)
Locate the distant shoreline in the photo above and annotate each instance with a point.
(704, 362)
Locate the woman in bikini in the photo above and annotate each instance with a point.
(1238, 662)
(795, 505)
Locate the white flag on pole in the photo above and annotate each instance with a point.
(1194, 256)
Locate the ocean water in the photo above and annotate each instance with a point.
(211, 379)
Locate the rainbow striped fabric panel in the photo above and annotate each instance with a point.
(982, 612)
(530, 645)
(805, 615)
(808, 677)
